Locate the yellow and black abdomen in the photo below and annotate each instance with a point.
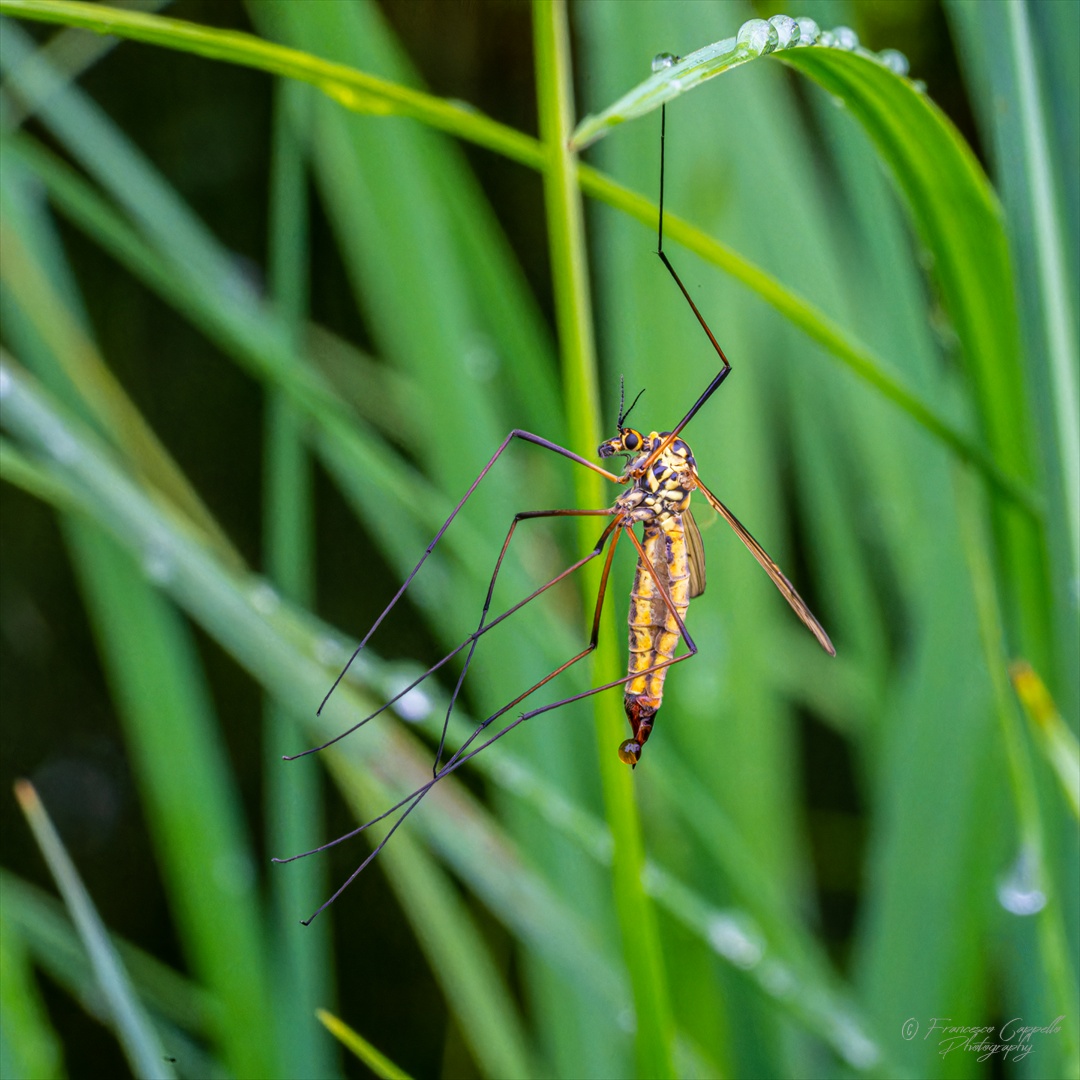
(654, 631)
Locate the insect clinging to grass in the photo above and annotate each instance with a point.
(660, 476)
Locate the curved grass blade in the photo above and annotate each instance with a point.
(673, 75)
(356, 90)
(471, 125)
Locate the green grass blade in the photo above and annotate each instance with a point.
(47, 933)
(468, 124)
(303, 966)
(674, 76)
(281, 653)
(282, 659)
(354, 89)
(29, 1045)
(185, 782)
(474, 987)
(960, 222)
(1022, 64)
(1057, 977)
(641, 947)
(133, 1027)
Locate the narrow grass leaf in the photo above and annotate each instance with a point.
(1059, 745)
(468, 124)
(132, 1025)
(29, 1044)
(377, 1062)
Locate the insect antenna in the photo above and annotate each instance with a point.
(624, 415)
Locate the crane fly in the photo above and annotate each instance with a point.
(660, 476)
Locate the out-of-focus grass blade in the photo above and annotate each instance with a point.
(184, 1012)
(1022, 61)
(303, 966)
(378, 1063)
(40, 921)
(474, 988)
(1031, 874)
(133, 1028)
(469, 124)
(275, 645)
(354, 89)
(960, 222)
(1058, 743)
(280, 652)
(284, 663)
(393, 190)
(163, 700)
(72, 52)
(28, 1042)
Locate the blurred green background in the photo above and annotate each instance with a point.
(264, 340)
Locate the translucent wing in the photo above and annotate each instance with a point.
(695, 554)
(770, 568)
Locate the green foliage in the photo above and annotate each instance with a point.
(902, 441)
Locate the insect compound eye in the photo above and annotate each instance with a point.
(630, 752)
(631, 439)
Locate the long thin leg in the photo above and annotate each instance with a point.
(723, 372)
(526, 515)
(472, 638)
(517, 433)
(463, 754)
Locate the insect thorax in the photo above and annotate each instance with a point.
(665, 487)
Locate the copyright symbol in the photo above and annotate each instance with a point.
(910, 1028)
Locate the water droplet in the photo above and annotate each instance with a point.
(264, 599)
(735, 941)
(787, 31)
(62, 446)
(846, 38)
(329, 650)
(919, 85)
(481, 361)
(627, 1021)
(1020, 891)
(777, 979)
(857, 1050)
(664, 60)
(6, 382)
(157, 561)
(414, 705)
(827, 39)
(757, 36)
(809, 31)
(244, 283)
(895, 61)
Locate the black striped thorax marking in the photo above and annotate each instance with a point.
(664, 488)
